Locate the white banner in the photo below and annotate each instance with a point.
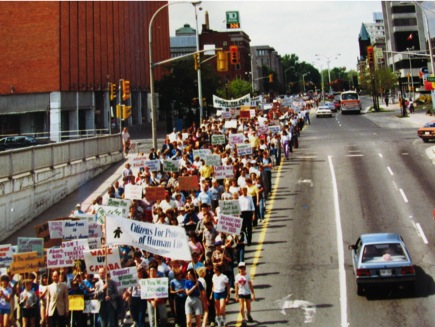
(171, 165)
(95, 230)
(96, 259)
(213, 160)
(74, 249)
(103, 211)
(92, 306)
(125, 277)
(123, 204)
(229, 224)
(274, 129)
(222, 103)
(55, 229)
(222, 172)
(139, 162)
(56, 258)
(231, 124)
(152, 288)
(201, 153)
(230, 207)
(165, 240)
(74, 229)
(153, 165)
(133, 192)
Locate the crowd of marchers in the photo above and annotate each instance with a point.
(198, 290)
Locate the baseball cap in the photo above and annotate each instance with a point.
(242, 264)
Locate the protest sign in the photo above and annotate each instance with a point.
(217, 139)
(103, 211)
(96, 259)
(133, 192)
(245, 113)
(231, 124)
(75, 229)
(225, 114)
(5, 255)
(139, 162)
(213, 160)
(26, 262)
(274, 129)
(171, 165)
(229, 207)
(262, 130)
(92, 306)
(188, 183)
(236, 138)
(74, 249)
(123, 204)
(222, 172)
(95, 230)
(201, 153)
(30, 244)
(244, 149)
(152, 288)
(94, 243)
(56, 259)
(76, 302)
(125, 277)
(165, 240)
(55, 228)
(154, 193)
(229, 224)
(153, 165)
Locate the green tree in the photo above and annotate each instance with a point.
(234, 89)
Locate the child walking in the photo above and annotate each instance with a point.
(244, 292)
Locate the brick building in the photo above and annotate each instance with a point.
(58, 58)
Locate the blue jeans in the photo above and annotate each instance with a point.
(261, 208)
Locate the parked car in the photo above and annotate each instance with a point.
(330, 105)
(381, 258)
(18, 141)
(323, 111)
(427, 132)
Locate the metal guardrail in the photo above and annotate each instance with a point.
(30, 159)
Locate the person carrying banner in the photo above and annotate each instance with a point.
(106, 292)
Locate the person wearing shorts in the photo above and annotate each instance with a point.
(5, 298)
(244, 292)
(28, 302)
(195, 296)
(221, 295)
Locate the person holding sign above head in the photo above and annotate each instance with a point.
(57, 302)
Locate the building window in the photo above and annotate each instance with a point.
(224, 43)
(403, 9)
(237, 67)
(405, 22)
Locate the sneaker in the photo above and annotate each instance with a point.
(232, 290)
(212, 324)
(250, 318)
(244, 323)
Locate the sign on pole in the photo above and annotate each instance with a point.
(233, 19)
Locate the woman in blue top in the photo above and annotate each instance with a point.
(195, 296)
(5, 298)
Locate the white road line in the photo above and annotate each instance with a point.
(420, 231)
(395, 185)
(380, 155)
(340, 248)
(355, 155)
(390, 171)
(403, 195)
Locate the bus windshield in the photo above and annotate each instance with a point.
(349, 96)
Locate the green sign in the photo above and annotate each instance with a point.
(233, 19)
(431, 79)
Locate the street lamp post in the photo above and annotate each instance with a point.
(201, 108)
(328, 60)
(303, 80)
(285, 77)
(150, 49)
(410, 74)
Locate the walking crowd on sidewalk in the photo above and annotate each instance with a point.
(250, 149)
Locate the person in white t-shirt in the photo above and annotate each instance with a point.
(244, 292)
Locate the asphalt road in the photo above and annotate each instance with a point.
(383, 182)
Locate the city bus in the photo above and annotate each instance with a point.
(350, 102)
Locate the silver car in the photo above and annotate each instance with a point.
(381, 258)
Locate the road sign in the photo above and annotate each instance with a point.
(233, 19)
(431, 79)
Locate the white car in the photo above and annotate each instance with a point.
(323, 111)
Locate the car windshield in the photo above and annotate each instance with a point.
(431, 124)
(373, 253)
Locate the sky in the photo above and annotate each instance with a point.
(304, 28)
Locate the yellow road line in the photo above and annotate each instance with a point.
(262, 236)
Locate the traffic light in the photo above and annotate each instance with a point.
(222, 61)
(125, 89)
(118, 110)
(370, 55)
(270, 78)
(234, 54)
(196, 60)
(112, 91)
(126, 112)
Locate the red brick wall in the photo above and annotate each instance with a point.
(63, 46)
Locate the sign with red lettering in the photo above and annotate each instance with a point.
(96, 259)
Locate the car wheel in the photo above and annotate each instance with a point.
(359, 290)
